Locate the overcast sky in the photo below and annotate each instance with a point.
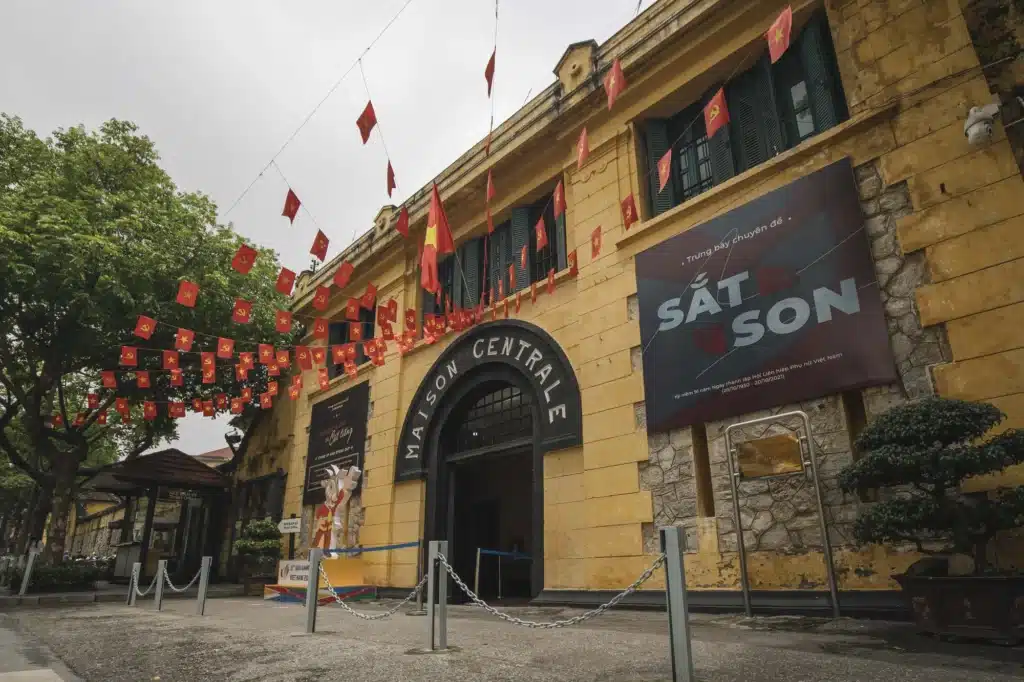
(219, 86)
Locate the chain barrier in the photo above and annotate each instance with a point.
(167, 581)
(376, 616)
(575, 620)
(135, 585)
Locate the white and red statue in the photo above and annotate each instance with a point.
(330, 522)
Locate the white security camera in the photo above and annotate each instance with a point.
(978, 126)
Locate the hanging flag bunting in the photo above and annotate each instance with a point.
(197, 405)
(489, 71)
(225, 348)
(241, 373)
(595, 243)
(245, 360)
(402, 224)
(541, 231)
(574, 268)
(220, 401)
(490, 221)
(533, 292)
(391, 178)
(297, 380)
(559, 200)
(121, 405)
(266, 352)
(351, 370)
(208, 409)
(387, 332)
(392, 308)
(236, 406)
(779, 34)
(283, 321)
(171, 359)
(149, 410)
(343, 274)
(176, 410)
(511, 277)
(266, 401)
(582, 150)
(321, 329)
(519, 300)
(246, 394)
(629, 215)
(303, 358)
(294, 392)
(57, 420)
(271, 388)
(273, 369)
(522, 256)
(242, 313)
(410, 319)
(551, 281)
(319, 248)
(322, 296)
(491, 192)
(209, 375)
(282, 359)
(187, 293)
(145, 327)
(337, 355)
(129, 356)
(206, 359)
(664, 169)
(352, 310)
(716, 114)
(244, 259)
(101, 418)
(291, 206)
(92, 401)
(438, 241)
(369, 297)
(285, 281)
(319, 355)
(142, 379)
(366, 121)
(79, 420)
(614, 83)
(355, 331)
(108, 379)
(183, 339)
(177, 379)
(323, 379)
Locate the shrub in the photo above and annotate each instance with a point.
(929, 448)
(58, 578)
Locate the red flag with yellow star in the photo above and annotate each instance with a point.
(716, 114)
(142, 379)
(595, 243)
(266, 352)
(402, 224)
(582, 150)
(542, 233)
(283, 321)
(391, 178)
(170, 359)
(291, 205)
(285, 281)
(664, 169)
(149, 410)
(183, 339)
(629, 215)
(319, 248)
(438, 241)
(343, 274)
(614, 83)
(366, 121)
(108, 379)
(778, 35)
(559, 200)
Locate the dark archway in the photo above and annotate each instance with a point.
(511, 354)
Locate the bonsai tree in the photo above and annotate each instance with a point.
(928, 449)
(259, 545)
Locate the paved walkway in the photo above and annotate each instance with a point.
(109, 593)
(23, 659)
(249, 639)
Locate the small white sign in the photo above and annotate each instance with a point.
(289, 526)
(293, 573)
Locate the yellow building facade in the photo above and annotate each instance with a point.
(530, 432)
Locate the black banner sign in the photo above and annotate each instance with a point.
(337, 435)
(771, 303)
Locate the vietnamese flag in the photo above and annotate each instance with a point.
(559, 200)
(149, 410)
(629, 215)
(355, 331)
(246, 360)
(595, 243)
(322, 296)
(391, 178)
(438, 241)
(402, 224)
(323, 379)
(582, 150)
(283, 321)
(614, 83)
(187, 293)
(92, 401)
(266, 401)
(366, 121)
(266, 353)
(574, 268)
(320, 328)
(171, 359)
(352, 309)
(108, 379)
(285, 281)
(183, 339)
(145, 327)
(716, 114)
(319, 248)
(130, 356)
(491, 192)
(778, 35)
(244, 259)
(241, 373)
(551, 281)
(319, 354)
(242, 312)
(511, 277)
(101, 418)
(176, 410)
(337, 354)
(542, 233)
(489, 71)
(142, 379)
(343, 274)
(664, 169)
(291, 205)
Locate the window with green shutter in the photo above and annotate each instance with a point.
(338, 334)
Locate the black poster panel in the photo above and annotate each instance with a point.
(771, 303)
(337, 435)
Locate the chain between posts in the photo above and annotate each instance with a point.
(575, 620)
(135, 585)
(167, 580)
(376, 616)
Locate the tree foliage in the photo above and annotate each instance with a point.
(931, 447)
(94, 233)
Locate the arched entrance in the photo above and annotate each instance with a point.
(477, 429)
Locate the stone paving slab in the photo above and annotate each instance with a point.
(247, 639)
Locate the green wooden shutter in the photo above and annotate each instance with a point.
(494, 257)
(508, 243)
(754, 117)
(723, 166)
(471, 263)
(519, 236)
(768, 114)
(459, 277)
(563, 255)
(656, 132)
(815, 52)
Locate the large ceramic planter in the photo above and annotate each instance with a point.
(988, 607)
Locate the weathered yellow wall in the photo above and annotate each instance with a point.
(909, 73)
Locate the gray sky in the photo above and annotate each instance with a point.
(219, 86)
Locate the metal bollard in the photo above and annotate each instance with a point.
(204, 583)
(672, 543)
(437, 580)
(32, 554)
(313, 589)
(161, 571)
(134, 583)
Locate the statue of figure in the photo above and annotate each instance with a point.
(338, 488)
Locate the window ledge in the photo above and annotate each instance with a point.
(749, 177)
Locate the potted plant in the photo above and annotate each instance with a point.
(259, 548)
(918, 455)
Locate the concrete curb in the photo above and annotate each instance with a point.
(12, 602)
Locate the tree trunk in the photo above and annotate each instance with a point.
(34, 519)
(65, 466)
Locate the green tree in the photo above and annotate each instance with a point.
(94, 233)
